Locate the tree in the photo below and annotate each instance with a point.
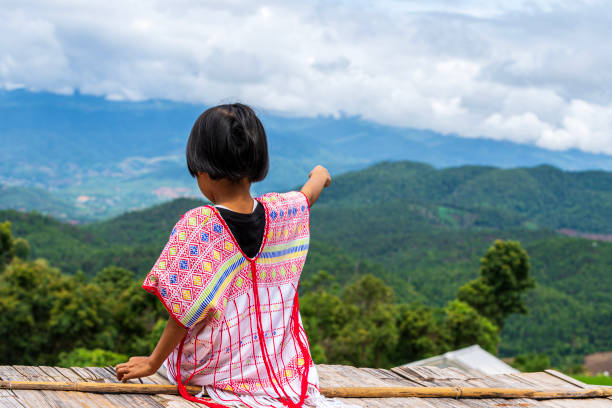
(419, 333)
(371, 333)
(464, 326)
(7, 249)
(531, 362)
(131, 312)
(43, 313)
(504, 276)
(22, 248)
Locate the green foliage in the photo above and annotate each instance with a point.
(420, 334)
(81, 357)
(7, 246)
(504, 276)
(359, 328)
(465, 326)
(22, 248)
(365, 328)
(44, 312)
(371, 334)
(531, 362)
(38, 314)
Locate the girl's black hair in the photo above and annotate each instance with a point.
(228, 141)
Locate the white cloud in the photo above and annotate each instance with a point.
(528, 71)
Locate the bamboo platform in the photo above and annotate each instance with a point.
(332, 377)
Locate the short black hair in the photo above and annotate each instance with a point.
(228, 141)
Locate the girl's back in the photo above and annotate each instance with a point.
(236, 306)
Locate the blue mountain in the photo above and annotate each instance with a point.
(104, 157)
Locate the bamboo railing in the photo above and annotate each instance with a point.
(340, 392)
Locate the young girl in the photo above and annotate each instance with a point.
(229, 276)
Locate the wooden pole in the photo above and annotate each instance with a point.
(341, 392)
(111, 388)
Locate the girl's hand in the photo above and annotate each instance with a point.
(136, 367)
(318, 179)
(321, 173)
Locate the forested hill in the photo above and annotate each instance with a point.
(423, 231)
(485, 196)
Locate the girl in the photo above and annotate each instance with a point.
(229, 276)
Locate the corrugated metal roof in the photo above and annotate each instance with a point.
(474, 360)
(330, 376)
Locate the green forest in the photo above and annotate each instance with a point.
(421, 247)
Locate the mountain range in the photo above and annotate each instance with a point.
(84, 158)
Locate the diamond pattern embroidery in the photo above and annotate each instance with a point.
(201, 246)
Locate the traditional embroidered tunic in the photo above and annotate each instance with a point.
(234, 307)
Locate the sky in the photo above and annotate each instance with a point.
(534, 72)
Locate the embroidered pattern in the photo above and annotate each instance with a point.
(206, 283)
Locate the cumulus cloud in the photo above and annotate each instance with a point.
(532, 72)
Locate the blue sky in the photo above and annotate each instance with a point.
(533, 72)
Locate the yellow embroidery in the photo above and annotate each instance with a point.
(186, 294)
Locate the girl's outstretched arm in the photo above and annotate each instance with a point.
(318, 179)
(143, 366)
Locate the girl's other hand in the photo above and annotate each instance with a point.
(136, 367)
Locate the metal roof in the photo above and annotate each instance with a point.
(474, 360)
